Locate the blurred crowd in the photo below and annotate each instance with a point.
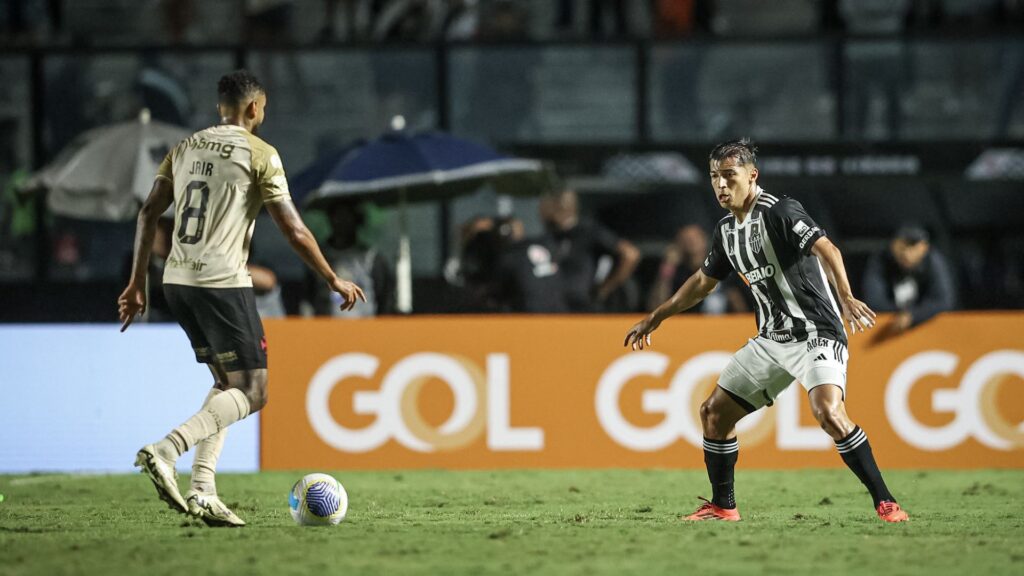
(311, 21)
(559, 256)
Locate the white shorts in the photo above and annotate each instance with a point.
(762, 369)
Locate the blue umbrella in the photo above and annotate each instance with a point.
(424, 166)
(402, 167)
(303, 184)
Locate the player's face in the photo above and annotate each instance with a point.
(733, 183)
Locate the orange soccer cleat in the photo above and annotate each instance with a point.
(709, 511)
(890, 511)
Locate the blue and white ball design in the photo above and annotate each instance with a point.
(318, 500)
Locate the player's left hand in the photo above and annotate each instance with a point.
(130, 304)
(858, 315)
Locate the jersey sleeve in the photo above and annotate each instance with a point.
(166, 168)
(268, 172)
(795, 226)
(716, 264)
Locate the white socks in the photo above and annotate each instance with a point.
(221, 411)
(207, 453)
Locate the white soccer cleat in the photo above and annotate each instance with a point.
(210, 509)
(161, 472)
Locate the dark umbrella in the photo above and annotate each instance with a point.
(400, 167)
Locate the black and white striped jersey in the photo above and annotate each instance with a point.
(771, 251)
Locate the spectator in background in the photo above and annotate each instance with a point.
(578, 244)
(683, 257)
(910, 278)
(475, 270)
(353, 261)
(527, 277)
(17, 216)
(503, 271)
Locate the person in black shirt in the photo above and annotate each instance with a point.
(528, 278)
(788, 263)
(910, 278)
(505, 272)
(578, 244)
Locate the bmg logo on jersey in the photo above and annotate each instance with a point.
(481, 403)
(973, 404)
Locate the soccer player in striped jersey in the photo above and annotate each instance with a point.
(788, 263)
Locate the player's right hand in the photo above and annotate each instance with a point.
(130, 304)
(349, 293)
(640, 334)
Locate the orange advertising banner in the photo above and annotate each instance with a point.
(562, 392)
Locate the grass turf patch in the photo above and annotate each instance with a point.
(523, 522)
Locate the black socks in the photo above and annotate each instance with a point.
(856, 452)
(720, 457)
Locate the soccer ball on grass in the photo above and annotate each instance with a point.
(318, 500)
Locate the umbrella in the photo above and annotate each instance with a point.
(400, 167)
(303, 184)
(107, 171)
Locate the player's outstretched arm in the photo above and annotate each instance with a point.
(132, 300)
(695, 289)
(287, 218)
(857, 313)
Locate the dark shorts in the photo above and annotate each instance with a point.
(222, 325)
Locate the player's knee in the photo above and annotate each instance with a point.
(257, 399)
(709, 416)
(831, 418)
(254, 384)
(257, 393)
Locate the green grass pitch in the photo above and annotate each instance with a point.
(816, 522)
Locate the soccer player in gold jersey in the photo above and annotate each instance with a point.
(218, 180)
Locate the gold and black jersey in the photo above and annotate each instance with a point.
(222, 176)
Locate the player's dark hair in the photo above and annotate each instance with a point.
(238, 87)
(743, 150)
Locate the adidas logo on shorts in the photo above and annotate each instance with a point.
(820, 358)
